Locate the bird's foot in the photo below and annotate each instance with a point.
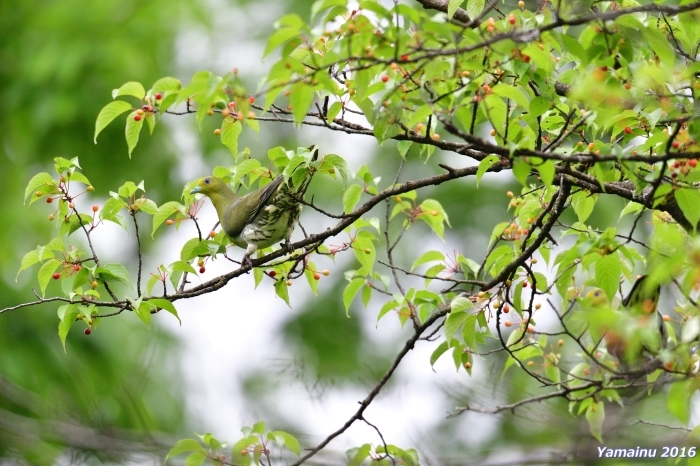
(287, 247)
(247, 260)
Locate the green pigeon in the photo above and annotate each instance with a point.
(259, 219)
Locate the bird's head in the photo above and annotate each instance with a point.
(209, 185)
(596, 298)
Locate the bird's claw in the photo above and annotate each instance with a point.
(248, 261)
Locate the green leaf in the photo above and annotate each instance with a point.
(434, 215)
(143, 311)
(350, 197)
(678, 400)
(539, 105)
(108, 113)
(546, 170)
(460, 303)
(453, 322)
(165, 211)
(484, 165)
(196, 458)
(357, 456)
(132, 88)
(133, 128)
(439, 351)
(350, 291)
(469, 332)
(475, 7)
(46, 273)
(607, 274)
(282, 290)
(583, 203)
(300, 99)
(288, 440)
(166, 305)
(166, 84)
(452, 7)
(29, 259)
(40, 180)
(68, 314)
(113, 272)
(230, 130)
(430, 256)
(689, 202)
(183, 446)
(403, 147)
(595, 415)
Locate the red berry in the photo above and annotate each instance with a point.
(404, 57)
(272, 273)
(693, 163)
(56, 276)
(511, 19)
(317, 276)
(526, 58)
(87, 331)
(603, 68)
(506, 309)
(49, 200)
(628, 130)
(675, 144)
(158, 96)
(251, 99)
(147, 108)
(385, 78)
(77, 267)
(137, 117)
(202, 270)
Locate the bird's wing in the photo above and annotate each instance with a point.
(265, 195)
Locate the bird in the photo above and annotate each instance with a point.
(259, 219)
(628, 336)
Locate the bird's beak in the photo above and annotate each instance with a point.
(195, 190)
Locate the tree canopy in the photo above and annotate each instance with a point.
(586, 109)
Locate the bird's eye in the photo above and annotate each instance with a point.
(207, 181)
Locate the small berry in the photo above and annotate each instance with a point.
(530, 363)
(511, 19)
(56, 276)
(95, 208)
(385, 78)
(326, 272)
(168, 222)
(38, 194)
(94, 284)
(506, 309)
(147, 108)
(77, 267)
(693, 163)
(87, 331)
(560, 343)
(368, 251)
(272, 274)
(628, 86)
(317, 276)
(434, 213)
(467, 365)
(507, 323)
(251, 115)
(666, 318)
(251, 99)
(158, 96)
(675, 144)
(526, 58)
(289, 283)
(493, 132)
(521, 4)
(90, 188)
(435, 136)
(591, 146)
(202, 270)
(404, 57)
(71, 205)
(137, 117)
(628, 130)
(51, 217)
(510, 194)
(212, 234)
(538, 305)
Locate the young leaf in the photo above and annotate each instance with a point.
(108, 113)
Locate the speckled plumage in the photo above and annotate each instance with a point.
(257, 220)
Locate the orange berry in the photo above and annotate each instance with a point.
(560, 343)
(212, 234)
(168, 222)
(507, 323)
(317, 276)
(95, 208)
(628, 130)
